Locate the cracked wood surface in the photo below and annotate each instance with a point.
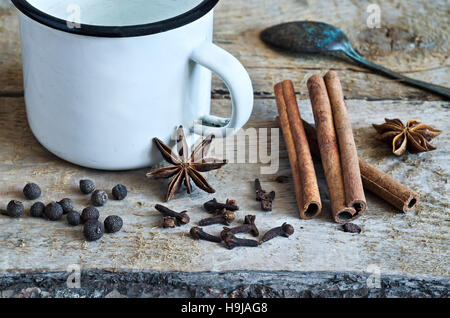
(400, 244)
(405, 244)
(406, 42)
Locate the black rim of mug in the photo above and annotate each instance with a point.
(115, 31)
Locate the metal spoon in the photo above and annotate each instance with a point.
(319, 37)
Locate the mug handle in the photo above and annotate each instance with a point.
(236, 78)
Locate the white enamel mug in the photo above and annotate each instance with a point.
(103, 77)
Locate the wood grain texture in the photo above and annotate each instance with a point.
(407, 244)
(406, 42)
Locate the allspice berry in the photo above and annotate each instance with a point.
(119, 192)
(15, 209)
(93, 230)
(66, 204)
(89, 213)
(73, 218)
(87, 186)
(32, 191)
(113, 224)
(99, 198)
(37, 210)
(53, 211)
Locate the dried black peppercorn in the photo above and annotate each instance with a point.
(89, 213)
(93, 230)
(66, 204)
(87, 186)
(99, 198)
(73, 218)
(119, 192)
(53, 211)
(37, 210)
(113, 224)
(15, 209)
(32, 191)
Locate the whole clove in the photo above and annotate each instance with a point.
(226, 218)
(197, 233)
(232, 241)
(249, 226)
(266, 203)
(213, 206)
(181, 217)
(351, 228)
(285, 230)
(169, 222)
(259, 191)
(266, 199)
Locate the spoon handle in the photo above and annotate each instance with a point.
(441, 90)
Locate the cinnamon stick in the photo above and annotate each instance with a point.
(374, 180)
(329, 150)
(302, 166)
(354, 193)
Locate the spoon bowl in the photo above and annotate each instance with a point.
(306, 37)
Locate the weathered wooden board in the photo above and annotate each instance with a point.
(417, 47)
(406, 244)
(413, 40)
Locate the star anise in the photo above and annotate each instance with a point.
(413, 137)
(185, 168)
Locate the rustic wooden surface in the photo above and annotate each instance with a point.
(407, 42)
(413, 40)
